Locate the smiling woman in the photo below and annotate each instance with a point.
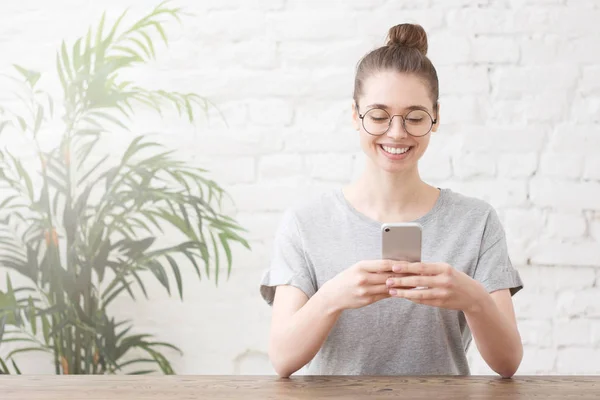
(340, 308)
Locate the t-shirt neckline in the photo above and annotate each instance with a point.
(422, 220)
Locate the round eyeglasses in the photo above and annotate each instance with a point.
(378, 121)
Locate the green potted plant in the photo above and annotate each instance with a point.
(92, 231)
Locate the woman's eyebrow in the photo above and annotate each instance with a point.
(409, 108)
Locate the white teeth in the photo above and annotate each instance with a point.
(395, 150)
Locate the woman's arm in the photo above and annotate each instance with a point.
(494, 327)
(299, 328)
(490, 317)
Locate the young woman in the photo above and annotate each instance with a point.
(341, 309)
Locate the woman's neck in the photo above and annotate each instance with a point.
(387, 197)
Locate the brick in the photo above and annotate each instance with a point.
(449, 49)
(259, 196)
(478, 20)
(452, 4)
(303, 54)
(566, 225)
(539, 49)
(377, 23)
(578, 48)
(537, 361)
(517, 165)
(366, 5)
(594, 226)
(557, 278)
(590, 80)
(360, 160)
(574, 278)
(586, 109)
(460, 109)
(575, 138)
(330, 167)
(458, 80)
(532, 20)
(227, 114)
(535, 306)
(266, 5)
(434, 166)
(325, 115)
(239, 142)
(310, 25)
(280, 166)
(561, 165)
(511, 82)
(330, 83)
(578, 361)
(259, 253)
(260, 225)
(499, 193)
(232, 83)
(595, 333)
(574, 21)
(314, 140)
(546, 106)
(518, 252)
(471, 165)
(523, 225)
(494, 50)
(270, 112)
(567, 195)
(232, 25)
(248, 52)
(556, 252)
(574, 332)
(231, 170)
(591, 169)
(582, 303)
(536, 333)
(539, 279)
(593, 4)
(515, 139)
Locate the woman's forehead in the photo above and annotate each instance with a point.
(396, 90)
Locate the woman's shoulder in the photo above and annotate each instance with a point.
(313, 205)
(463, 204)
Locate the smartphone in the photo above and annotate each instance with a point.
(401, 241)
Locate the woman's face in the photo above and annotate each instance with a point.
(398, 94)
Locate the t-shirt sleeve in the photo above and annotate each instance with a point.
(494, 268)
(289, 264)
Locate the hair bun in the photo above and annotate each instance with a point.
(408, 35)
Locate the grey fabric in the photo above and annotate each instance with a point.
(319, 238)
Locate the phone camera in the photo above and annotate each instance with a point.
(387, 229)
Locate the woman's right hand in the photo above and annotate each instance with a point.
(362, 284)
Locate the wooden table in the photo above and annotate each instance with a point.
(298, 387)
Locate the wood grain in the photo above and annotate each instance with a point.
(298, 387)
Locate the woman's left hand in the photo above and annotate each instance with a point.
(440, 285)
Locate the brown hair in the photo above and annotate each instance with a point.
(406, 52)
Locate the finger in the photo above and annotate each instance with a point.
(418, 294)
(417, 281)
(378, 265)
(378, 289)
(420, 268)
(381, 278)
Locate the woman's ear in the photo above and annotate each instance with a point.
(437, 118)
(355, 119)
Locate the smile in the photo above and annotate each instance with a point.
(395, 150)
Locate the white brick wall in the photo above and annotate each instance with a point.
(520, 104)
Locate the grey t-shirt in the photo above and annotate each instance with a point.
(321, 237)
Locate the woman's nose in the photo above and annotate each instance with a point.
(397, 128)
